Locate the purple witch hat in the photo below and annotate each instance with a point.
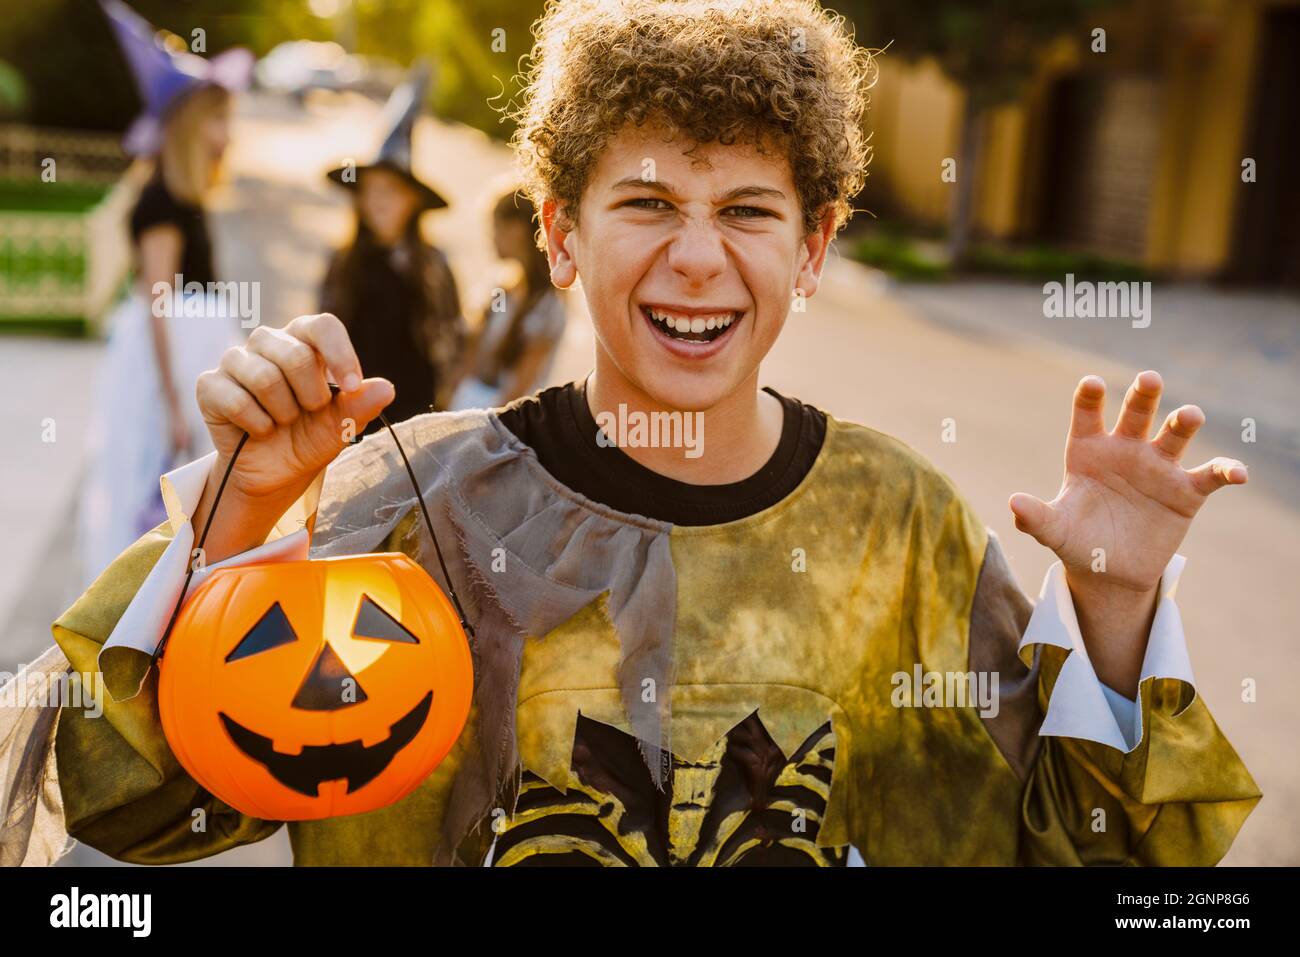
(165, 77)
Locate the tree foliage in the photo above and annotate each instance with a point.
(988, 47)
(76, 76)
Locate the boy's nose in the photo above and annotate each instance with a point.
(696, 252)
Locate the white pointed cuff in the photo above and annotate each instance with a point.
(145, 619)
(1080, 705)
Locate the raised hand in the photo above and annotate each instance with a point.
(1123, 492)
(276, 388)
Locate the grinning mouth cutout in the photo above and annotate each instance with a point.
(304, 772)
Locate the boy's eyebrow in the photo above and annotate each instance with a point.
(740, 192)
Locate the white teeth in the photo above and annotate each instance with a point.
(696, 324)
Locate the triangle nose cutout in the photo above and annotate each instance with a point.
(329, 686)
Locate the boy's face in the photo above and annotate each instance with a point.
(688, 270)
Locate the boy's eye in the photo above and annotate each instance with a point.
(747, 212)
(648, 202)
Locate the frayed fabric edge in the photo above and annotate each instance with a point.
(32, 827)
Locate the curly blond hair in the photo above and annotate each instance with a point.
(761, 72)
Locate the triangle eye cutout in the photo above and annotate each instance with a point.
(271, 631)
(373, 622)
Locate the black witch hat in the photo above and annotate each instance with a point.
(395, 154)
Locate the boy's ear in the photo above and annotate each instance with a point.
(816, 244)
(559, 233)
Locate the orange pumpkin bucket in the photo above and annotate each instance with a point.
(303, 690)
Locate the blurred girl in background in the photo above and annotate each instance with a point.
(146, 419)
(513, 349)
(396, 293)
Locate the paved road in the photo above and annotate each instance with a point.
(900, 360)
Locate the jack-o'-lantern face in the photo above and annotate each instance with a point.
(303, 690)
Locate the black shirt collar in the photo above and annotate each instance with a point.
(558, 425)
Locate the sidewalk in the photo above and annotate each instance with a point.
(1236, 354)
(43, 379)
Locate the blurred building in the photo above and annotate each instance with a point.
(1136, 153)
(65, 196)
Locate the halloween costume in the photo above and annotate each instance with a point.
(399, 303)
(402, 311)
(685, 694)
(129, 437)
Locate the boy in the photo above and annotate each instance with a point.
(705, 659)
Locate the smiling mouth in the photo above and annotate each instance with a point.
(304, 772)
(692, 327)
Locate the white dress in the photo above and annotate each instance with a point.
(128, 446)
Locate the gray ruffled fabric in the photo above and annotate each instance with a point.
(525, 554)
(31, 808)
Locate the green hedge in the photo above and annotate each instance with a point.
(905, 256)
(56, 197)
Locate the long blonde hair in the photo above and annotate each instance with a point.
(187, 169)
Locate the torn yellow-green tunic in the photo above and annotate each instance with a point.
(774, 700)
